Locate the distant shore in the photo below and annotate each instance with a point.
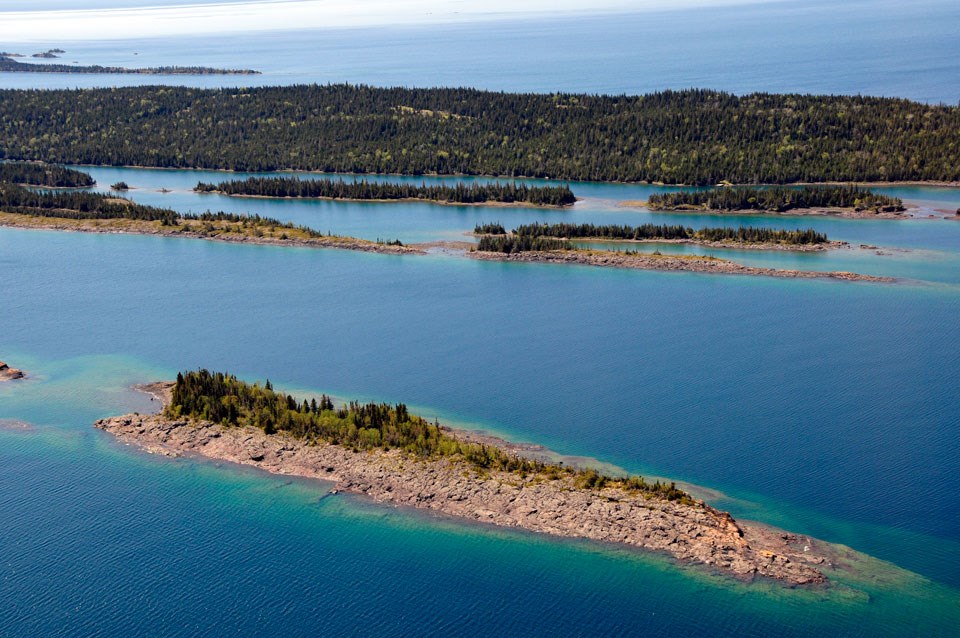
(487, 204)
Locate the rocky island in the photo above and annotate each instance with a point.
(7, 373)
(385, 453)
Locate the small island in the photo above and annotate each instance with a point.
(99, 213)
(386, 453)
(809, 200)
(461, 193)
(742, 237)
(9, 65)
(8, 374)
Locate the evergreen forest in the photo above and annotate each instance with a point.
(460, 193)
(777, 199)
(697, 137)
(223, 399)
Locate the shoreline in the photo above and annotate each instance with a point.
(673, 263)
(934, 183)
(488, 204)
(10, 374)
(731, 245)
(123, 226)
(845, 213)
(609, 259)
(691, 533)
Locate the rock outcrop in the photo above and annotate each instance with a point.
(7, 373)
(690, 532)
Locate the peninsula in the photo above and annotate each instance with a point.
(462, 194)
(694, 137)
(39, 174)
(385, 453)
(9, 65)
(845, 200)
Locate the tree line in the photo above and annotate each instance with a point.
(44, 175)
(223, 399)
(777, 199)
(510, 244)
(674, 137)
(365, 190)
(8, 65)
(86, 205)
(744, 234)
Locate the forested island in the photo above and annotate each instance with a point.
(34, 174)
(461, 193)
(673, 137)
(738, 237)
(96, 212)
(9, 65)
(392, 456)
(777, 199)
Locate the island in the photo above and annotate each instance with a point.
(692, 137)
(100, 213)
(524, 248)
(9, 65)
(461, 193)
(742, 237)
(846, 200)
(7, 373)
(385, 453)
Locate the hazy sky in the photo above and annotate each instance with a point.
(58, 20)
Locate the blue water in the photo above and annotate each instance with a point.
(873, 47)
(827, 408)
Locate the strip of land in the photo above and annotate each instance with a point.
(452, 476)
(678, 263)
(9, 65)
(503, 194)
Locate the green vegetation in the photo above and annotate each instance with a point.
(120, 186)
(692, 137)
(663, 232)
(777, 199)
(338, 189)
(520, 244)
(8, 65)
(84, 205)
(43, 175)
(225, 400)
(489, 229)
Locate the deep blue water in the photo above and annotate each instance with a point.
(872, 47)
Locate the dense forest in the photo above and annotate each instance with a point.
(777, 199)
(43, 175)
(339, 189)
(691, 137)
(225, 400)
(8, 65)
(655, 231)
(84, 205)
(520, 244)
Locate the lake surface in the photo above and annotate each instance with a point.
(827, 408)
(870, 47)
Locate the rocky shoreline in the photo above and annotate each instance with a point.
(138, 227)
(691, 533)
(611, 259)
(8, 374)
